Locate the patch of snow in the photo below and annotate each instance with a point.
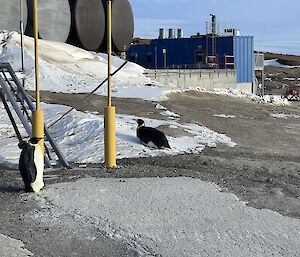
(160, 107)
(270, 99)
(275, 99)
(284, 115)
(80, 136)
(10, 247)
(171, 217)
(166, 112)
(170, 115)
(11, 152)
(275, 63)
(230, 92)
(224, 116)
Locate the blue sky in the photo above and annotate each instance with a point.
(275, 24)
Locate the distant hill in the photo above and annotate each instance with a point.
(293, 60)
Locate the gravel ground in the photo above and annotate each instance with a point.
(171, 217)
(262, 170)
(278, 79)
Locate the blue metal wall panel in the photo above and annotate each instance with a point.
(244, 58)
(138, 54)
(182, 52)
(224, 45)
(179, 52)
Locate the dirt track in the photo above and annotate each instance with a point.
(265, 164)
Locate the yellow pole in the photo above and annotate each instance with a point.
(109, 112)
(37, 115)
(36, 53)
(109, 57)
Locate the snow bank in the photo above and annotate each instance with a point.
(275, 63)
(275, 100)
(69, 69)
(80, 136)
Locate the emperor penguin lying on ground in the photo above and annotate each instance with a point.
(151, 137)
(31, 165)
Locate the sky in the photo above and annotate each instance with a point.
(275, 24)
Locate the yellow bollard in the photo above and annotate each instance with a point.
(38, 126)
(110, 137)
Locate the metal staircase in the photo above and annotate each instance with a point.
(14, 92)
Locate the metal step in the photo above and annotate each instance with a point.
(7, 75)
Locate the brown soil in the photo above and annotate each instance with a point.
(285, 59)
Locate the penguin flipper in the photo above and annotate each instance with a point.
(26, 158)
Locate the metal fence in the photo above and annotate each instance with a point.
(188, 72)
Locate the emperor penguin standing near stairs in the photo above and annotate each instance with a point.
(151, 137)
(31, 165)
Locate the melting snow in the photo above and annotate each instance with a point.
(284, 115)
(81, 136)
(224, 116)
(10, 247)
(275, 63)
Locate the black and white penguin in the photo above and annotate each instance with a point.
(31, 165)
(151, 137)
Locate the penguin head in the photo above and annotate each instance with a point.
(22, 144)
(140, 123)
(35, 140)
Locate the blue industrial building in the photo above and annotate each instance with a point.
(209, 51)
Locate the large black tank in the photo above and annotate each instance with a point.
(90, 23)
(122, 25)
(10, 15)
(54, 19)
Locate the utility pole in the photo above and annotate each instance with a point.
(37, 115)
(109, 111)
(22, 41)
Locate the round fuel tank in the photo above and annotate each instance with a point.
(122, 24)
(10, 15)
(54, 19)
(90, 23)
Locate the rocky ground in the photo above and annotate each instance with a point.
(262, 170)
(279, 79)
